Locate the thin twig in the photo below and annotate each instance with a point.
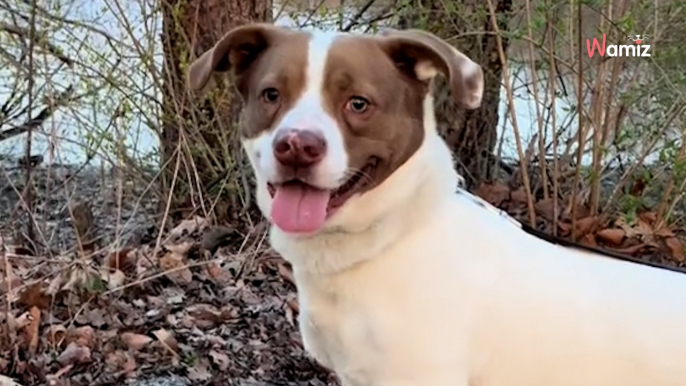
(580, 100)
(28, 187)
(35, 122)
(539, 118)
(553, 115)
(508, 88)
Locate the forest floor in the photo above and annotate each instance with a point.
(199, 304)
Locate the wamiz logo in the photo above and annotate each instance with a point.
(640, 48)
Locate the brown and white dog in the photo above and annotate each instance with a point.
(403, 279)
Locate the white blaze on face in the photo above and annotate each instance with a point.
(309, 113)
(299, 208)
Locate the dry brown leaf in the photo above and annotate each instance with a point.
(519, 199)
(55, 333)
(584, 226)
(179, 272)
(56, 284)
(286, 273)
(96, 317)
(32, 330)
(583, 211)
(82, 336)
(187, 227)
(220, 359)
(648, 217)
(34, 295)
(494, 192)
(643, 229)
(634, 250)
(122, 362)
(589, 240)
(123, 259)
(145, 261)
(628, 229)
(676, 248)
(228, 312)
(205, 315)
(167, 339)
(218, 274)
(545, 209)
(113, 278)
(199, 372)
(613, 236)
(205, 311)
(294, 305)
(290, 314)
(664, 231)
(135, 342)
(639, 229)
(564, 228)
(181, 248)
(74, 354)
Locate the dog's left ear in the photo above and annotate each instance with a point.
(236, 51)
(423, 55)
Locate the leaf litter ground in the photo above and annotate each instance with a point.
(189, 307)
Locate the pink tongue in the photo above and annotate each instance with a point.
(299, 208)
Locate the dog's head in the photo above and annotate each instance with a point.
(329, 117)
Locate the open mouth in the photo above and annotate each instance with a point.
(355, 183)
(299, 207)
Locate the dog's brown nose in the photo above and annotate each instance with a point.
(299, 148)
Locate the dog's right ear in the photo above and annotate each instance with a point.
(236, 51)
(424, 54)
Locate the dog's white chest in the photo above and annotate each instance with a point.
(339, 334)
(374, 329)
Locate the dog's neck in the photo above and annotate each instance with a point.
(365, 228)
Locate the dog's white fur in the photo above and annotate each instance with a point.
(412, 284)
(307, 114)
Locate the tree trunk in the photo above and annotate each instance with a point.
(468, 26)
(203, 164)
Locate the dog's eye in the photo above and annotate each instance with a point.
(357, 104)
(270, 95)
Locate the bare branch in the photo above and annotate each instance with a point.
(38, 120)
(41, 42)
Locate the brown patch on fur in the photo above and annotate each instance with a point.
(391, 129)
(259, 56)
(391, 73)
